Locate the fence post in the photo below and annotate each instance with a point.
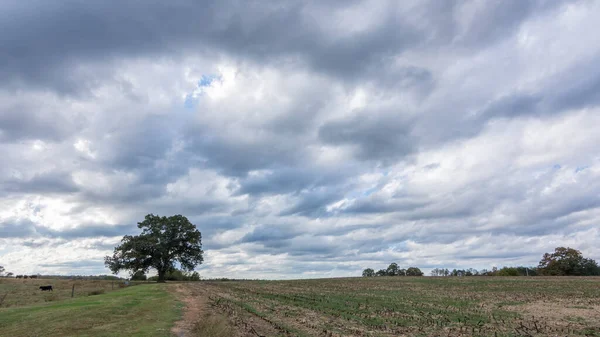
(73, 291)
(113, 285)
(3, 298)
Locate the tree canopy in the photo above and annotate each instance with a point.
(414, 271)
(393, 270)
(139, 276)
(178, 275)
(381, 272)
(369, 272)
(567, 262)
(163, 242)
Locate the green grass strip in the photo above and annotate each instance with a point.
(145, 310)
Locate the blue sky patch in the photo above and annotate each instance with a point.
(207, 80)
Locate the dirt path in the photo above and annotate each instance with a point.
(203, 317)
(195, 307)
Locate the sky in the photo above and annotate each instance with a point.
(304, 139)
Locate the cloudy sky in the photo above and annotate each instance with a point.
(303, 138)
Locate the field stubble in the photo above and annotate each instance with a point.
(404, 306)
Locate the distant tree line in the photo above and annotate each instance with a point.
(67, 277)
(504, 271)
(393, 270)
(563, 262)
(4, 273)
(175, 275)
(27, 276)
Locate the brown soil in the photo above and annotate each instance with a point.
(561, 316)
(250, 310)
(195, 306)
(559, 311)
(199, 305)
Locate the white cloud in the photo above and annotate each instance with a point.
(427, 133)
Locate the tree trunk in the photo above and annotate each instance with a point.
(161, 276)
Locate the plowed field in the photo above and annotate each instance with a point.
(402, 306)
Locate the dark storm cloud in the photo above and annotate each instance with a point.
(48, 44)
(42, 40)
(16, 228)
(281, 147)
(47, 182)
(88, 231)
(291, 180)
(212, 224)
(27, 120)
(512, 106)
(385, 205)
(268, 233)
(384, 138)
(579, 87)
(326, 244)
(13, 228)
(306, 246)
(141, 145)
(236, 157)
(313, 203)
(498, 20)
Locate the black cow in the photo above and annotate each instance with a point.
(44, 288)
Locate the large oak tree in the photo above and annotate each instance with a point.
(163, 242)
(567, 262)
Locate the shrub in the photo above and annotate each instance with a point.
(138, 276)
(508, 271)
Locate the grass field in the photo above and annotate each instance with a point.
(404, 306)
(97, 310)
(21, 292)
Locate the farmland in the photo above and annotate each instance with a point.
(21, 292)
(96, 309)
(404, 306)
(379, 306)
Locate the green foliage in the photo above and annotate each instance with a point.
(440, 272)
(508, 271)
(369, 272)
(194, 276)
(392, 269)
(381, 272)
(414, 271)
(163, 241)
(178, 275)
(138, 276)
(567, 262)
(146, 310)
